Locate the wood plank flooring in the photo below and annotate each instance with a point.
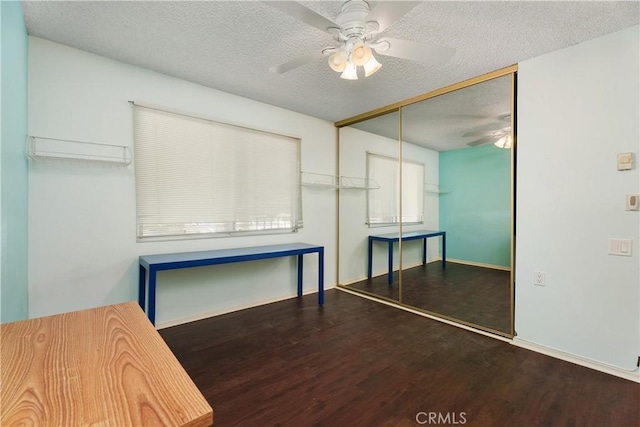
(477, 295)
(355, 362)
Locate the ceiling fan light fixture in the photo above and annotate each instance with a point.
(360, 54)
(350, 72)
(504, 142)
(338, 61)
(509, 142)
(371, 66)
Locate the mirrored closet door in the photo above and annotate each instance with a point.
(455, 155)
(369, 206)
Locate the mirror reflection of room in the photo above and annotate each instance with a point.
(369, 191)
(456, 198)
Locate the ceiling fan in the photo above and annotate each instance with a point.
(356, 29)
(501, 138)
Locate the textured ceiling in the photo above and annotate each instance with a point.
(230, 45)
(440, 123)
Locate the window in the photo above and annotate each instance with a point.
(196, 176)
(384, 202)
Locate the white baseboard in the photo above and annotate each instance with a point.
(418, 264)
(578, 360)
(479, 264)
(219, 312)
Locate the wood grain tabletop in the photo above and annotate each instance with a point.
(105, 366)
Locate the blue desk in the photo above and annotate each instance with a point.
(410, 235)
(151, 264)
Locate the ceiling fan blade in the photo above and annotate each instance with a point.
(295, 63)
(298, 11)
(480, 133)
(481, 141)
(424, 53)
(388, 12)
(496, 133)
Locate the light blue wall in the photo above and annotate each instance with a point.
(475, 212)
(579, 104)
(13, 169)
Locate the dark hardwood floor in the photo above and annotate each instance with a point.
(355, 362)
(477, 295)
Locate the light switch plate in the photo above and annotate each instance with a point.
(620, 247)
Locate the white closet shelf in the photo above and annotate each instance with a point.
(66, 149)
(434, 188)
(352, 183)
(310, 179)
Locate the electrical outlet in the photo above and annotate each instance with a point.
(539, 278)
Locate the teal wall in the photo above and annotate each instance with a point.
(475, 212)
(13, 163)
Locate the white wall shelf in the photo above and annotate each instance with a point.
(310, 179)
(63, 149)
(434, 188)
(351, 183)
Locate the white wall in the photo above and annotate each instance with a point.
(82, 240)
(578, 108)
(354, 144)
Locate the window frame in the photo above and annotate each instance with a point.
(419, 218)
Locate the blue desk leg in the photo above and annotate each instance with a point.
(321, 277)
(424, 251)
(142, 297)
(444, 251)
(152, 295)
(390, 274)
(370, 267)
(299, 275)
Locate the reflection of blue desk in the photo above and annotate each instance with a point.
(410, 235)
(155, 263)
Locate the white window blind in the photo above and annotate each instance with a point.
(196, 176)
(384, 202)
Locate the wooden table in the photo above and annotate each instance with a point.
(101, 367)
(151, 264)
